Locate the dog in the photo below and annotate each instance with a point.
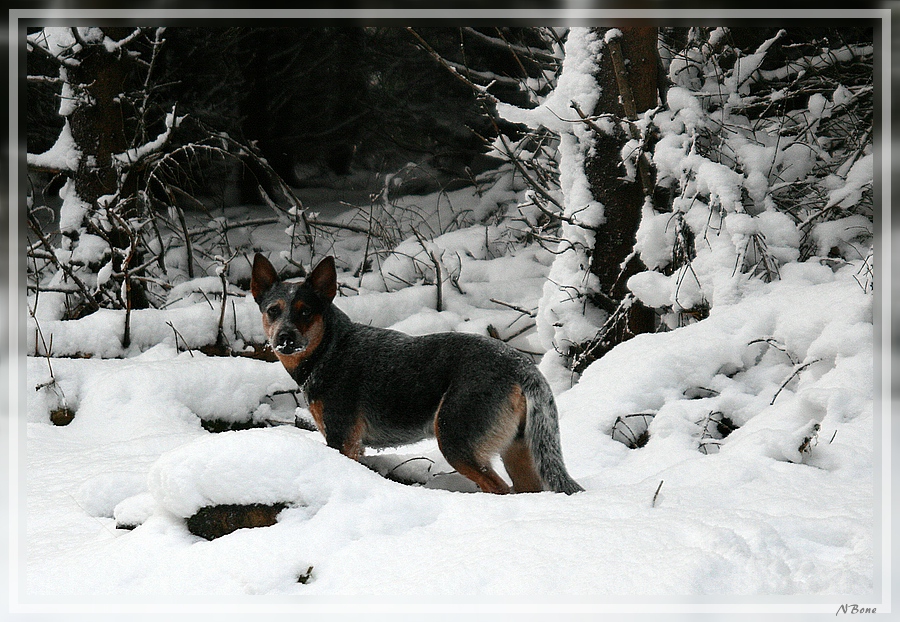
(375, 387)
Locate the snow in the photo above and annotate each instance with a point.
(654, 289)
(91, 248)
(563, 318)
(576, 84)
(859, 177)
(655, 237)
(687, 514)
(62, 156)
(841, 232)
(748, 65)
(73, 208)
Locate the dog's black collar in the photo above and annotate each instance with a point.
(303, 372)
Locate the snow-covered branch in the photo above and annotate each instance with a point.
(63, 156)
(56, 45)
(134, 155)
(456, 70)
(824, 60)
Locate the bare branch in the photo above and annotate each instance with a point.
(824, 60)
(535, 53)
(43, 79)
(36, 229)
(796, 371)
(481, 90)
(514, 307)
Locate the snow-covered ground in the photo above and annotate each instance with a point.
(784, 505)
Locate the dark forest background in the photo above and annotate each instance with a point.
(321, 103)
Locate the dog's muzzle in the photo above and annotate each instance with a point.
(289, 343)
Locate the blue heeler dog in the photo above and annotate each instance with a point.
(373, 387)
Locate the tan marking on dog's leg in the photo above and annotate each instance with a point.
(478, 467)
(506, 422)
(317, 410)
(518, 462)
(353, 446)
(516, 457)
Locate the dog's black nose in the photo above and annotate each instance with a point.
(284, 342)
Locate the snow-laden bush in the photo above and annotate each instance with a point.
(761, 155)
(762, 159)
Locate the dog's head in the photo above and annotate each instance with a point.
(293, 313)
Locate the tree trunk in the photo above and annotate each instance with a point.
(98, 129)
(98, 121)
(624, 93)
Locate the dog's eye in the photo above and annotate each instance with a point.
(273, 312)
(305, 312)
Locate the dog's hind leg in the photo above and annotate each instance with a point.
(519, 463)
(473, 427)
(517, 458)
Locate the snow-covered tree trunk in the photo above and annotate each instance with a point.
(629, 73)
(103, 142)
(585, 294)
(97, 118)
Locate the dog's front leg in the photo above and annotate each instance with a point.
(351, 445)
(342, 433)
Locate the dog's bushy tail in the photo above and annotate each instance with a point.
(542, 432)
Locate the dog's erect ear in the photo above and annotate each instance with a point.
(263, 277)
(323, 280)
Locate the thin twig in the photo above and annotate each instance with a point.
(534, 53)
(533, 184)
(407, 461)
(453, 70)
(60, 61)
(220, 333)
(438, 281)
(791, 377)
(126, 227)
(522, 330)
(183, 340)
(340, 225)
(514, 307)
(771, 342)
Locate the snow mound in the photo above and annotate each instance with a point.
(102, 493)
(268, 466)
(780, 366)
